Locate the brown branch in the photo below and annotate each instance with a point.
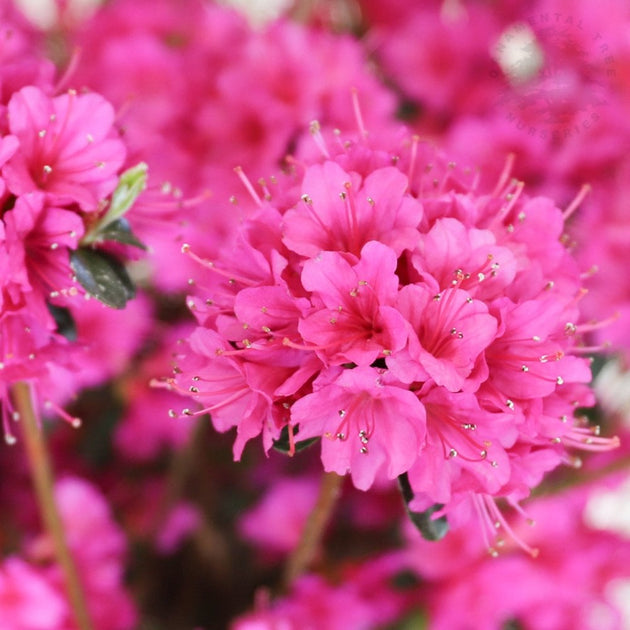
(43, 483)
(304, 554)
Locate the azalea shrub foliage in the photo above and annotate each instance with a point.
(262, 259)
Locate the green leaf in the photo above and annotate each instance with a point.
(131, 183)
(414, 620)
(430, 528)
(408, 110)
(282, 443)
(102, 276)
(405, 580)
(66, 325)
(120, 231)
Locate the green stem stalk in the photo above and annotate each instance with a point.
(304, 554)
(43, 483)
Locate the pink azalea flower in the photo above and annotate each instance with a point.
(466, 258)
(248, 395)
(451, 332)
(466, 448)
(527, 360)
(29, 350)
(359, 322)
(68, 148)
(369, 426)
(339, 214)
(39, 238)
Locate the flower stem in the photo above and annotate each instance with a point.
(303, 555)
(43, 482)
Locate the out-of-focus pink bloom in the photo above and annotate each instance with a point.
(99, 548)
(275, 523)
(453, 69)
(108, 338)
(22, 61)
(565, 586)
(146, 429)
(27, 600)
(312, 604)
(209, 127)
(182, 520)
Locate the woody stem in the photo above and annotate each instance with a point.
(304, 554)
(43, 483)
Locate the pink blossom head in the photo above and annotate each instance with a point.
(416, 324)
(67, 147)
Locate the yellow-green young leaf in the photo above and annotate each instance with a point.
(131, 183)
(414, 620)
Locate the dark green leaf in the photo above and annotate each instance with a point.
(66, 325)
(102, 276)
(408, 110)
(404, 580)
(120, 231)
(282, 443)
(430, 528)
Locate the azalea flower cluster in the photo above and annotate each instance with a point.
(415, 325)
(418, 304)
(63, 237)
(62, 199)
